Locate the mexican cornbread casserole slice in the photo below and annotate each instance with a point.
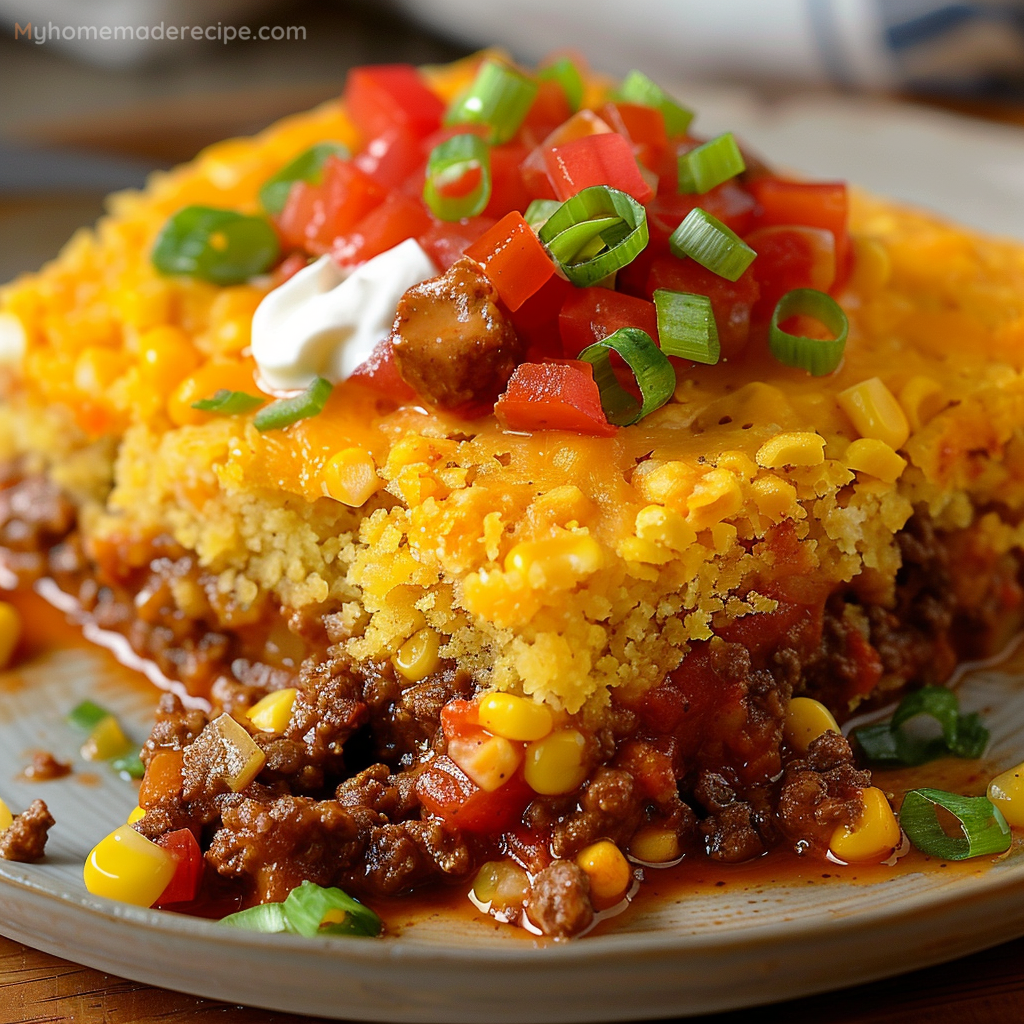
(413, 641)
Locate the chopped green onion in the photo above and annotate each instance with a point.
(86, 716)
(229, 403)
(286, 411)
(307, 166)
(539, 211)
(714, 246)
(888, 743)
(687, 326)
(610, 221)
(650, 366)
(499, 98)
(450, 163)
(708, 165)
(815, 355)
(638, 88)
(220, 246)
(130, 765)
(309, 910)
(982, 826)
(568, 76)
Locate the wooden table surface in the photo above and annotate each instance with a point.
(36, 988)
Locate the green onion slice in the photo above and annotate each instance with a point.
(454, 161)
(220, 246)
(309, 910)
(983, 828)
(539, 211)
(638, 88)
(229, 403)
(714, 246)
(86, 716)
(499, 98)
(650, 366)
(888, 743)
(686, 326)
(130, 765)
(286, 411)
(307, 166)
(818, 357)
(708, 165)
(568, 76)
(594, 233)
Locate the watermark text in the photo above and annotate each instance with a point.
(40, 34)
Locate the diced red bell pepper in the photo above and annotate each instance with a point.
(813, 204)
(533, 169)
(445, 790)
(643, 126)
(731, 302)
(380, 373)
(592, 314)
(553, 396)
(788, 258)
(536, 320)
(446, 241)
(399, 217)
(549, 109)
(513, 259)
(381, 97)
(390, 159)
(595, 160)
(729, 202)
(188, 875)
(508, 192)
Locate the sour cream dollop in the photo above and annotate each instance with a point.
(326, 320)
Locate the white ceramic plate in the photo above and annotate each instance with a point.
(707, 951)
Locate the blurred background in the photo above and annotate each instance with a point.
(809, 82)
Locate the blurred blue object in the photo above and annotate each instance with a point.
(34, 172)
(927, 44)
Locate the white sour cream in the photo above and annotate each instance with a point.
(326, 320)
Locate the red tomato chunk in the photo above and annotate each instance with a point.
(553, 396)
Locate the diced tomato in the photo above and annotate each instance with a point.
(788, 258)
(188, 875)
(549, 109)
(380, 373)
(508, 192)
(731, 302)
(446, 241)
(445, 790)
(513, 259)
(643, 126)
(812, 204)
(595, 160)
(381, 97)
(591, 314)
(162, 779)
(391, 158)
(729, 202)
(460, 718)
(553, 396)
(399, 217)
(536, 320)
(533, 169)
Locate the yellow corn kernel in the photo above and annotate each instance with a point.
(874, 412)
(501, 884)
(107, 740)
(664, 526)
(515, 718)
(418, 656)
(806, 719)
(715, 497)
(273, 712)
(609, 872)
(558, 563)
(1006, 791)
(922, 398)
(774, 497)
(738, 463)
(166, 355)
(872, 266)
(13, 340)
(350, 477)
(636, 549)
(556, 764)
(211, 377)
(128, 867)
(655, 846)
(796, 448)
(5, 816)
(137, 814)
(490, 761)
(97, 368)
(230, 750)
(874, 457)
(10, 632)
(874, 835)
(146, 304)
(667, 483)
